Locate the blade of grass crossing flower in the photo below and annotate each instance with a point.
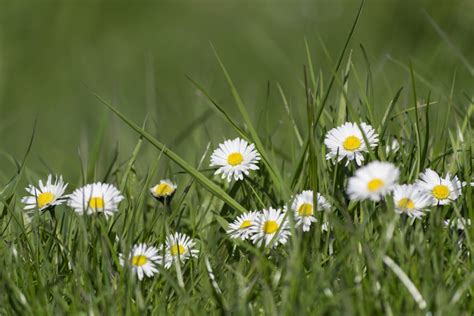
(208, 184)
(367, 144)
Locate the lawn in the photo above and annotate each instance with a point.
(307, 157)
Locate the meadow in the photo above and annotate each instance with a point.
(220, 122)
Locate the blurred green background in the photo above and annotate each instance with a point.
(137, 55)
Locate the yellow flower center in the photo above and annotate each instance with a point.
(163, 189)
(305, 209)
(245, 224)
(440, 192)
(270, 227)
(235, 159)
(406, 203)
(139, 260)
(177, 249)
(44, 199)
(375, 184)
(96, 203)
(351, 143)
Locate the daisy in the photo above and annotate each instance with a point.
(373, 181)
(347, 141)
(442, 191)
(179, 246)
(46, 195)
(459, 223)
(164, 190)
(241, 227)
(409, 200)
(392, 147)
(235, 158)
(325, 226)
(143, 260)
(270, 224)
(303, 208)
(96, 198)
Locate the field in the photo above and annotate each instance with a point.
(131, 94)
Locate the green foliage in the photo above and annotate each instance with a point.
(371, 261)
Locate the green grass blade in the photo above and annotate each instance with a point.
(384, 124)
(237, 128)
(339, 63)
(427, 132)
(290, 115)
(417, 123)
(342, 108)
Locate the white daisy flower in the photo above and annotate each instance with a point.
(442, 191)
(303, 208)
(409, 200)
(179, 246)
(373, 181)
(325, 226)
(347, 141)
(46, 195)
(96, 198)
(164, 190)
(458, 223)
(235, 158)
(270, 224)
(241, 227)
(143, 260)
(392, 147)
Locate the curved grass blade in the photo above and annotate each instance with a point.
(417, 123)
(338, 66)
(391, 106)
(424, 149)
(219, 108)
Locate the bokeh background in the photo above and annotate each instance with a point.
(137, 54)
